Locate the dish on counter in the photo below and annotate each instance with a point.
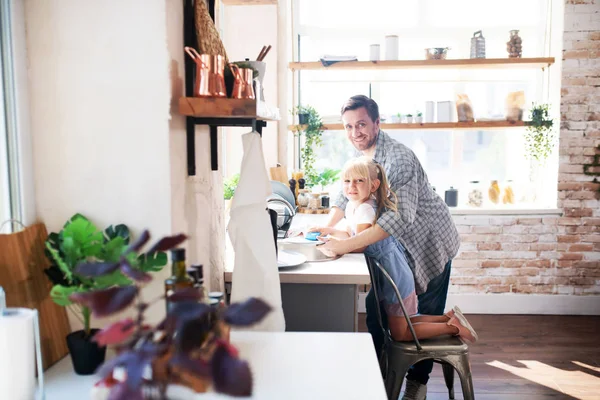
(289, 259)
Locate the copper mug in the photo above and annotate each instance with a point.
(242, 84)
(210, 74)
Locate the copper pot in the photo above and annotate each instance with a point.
(210, 74)
(242, 84)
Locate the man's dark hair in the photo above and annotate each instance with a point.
(358, 101)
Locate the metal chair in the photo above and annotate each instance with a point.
(397, 357)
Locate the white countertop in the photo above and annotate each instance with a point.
(350, 269)
(285, 365)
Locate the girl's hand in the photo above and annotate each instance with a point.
(322, 229)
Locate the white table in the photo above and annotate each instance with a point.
(286, 365)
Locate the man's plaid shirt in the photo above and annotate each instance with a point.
(423, 223)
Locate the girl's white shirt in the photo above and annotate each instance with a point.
(360, 213)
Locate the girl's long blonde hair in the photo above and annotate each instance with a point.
(365, 168)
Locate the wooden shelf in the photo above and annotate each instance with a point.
(220, 107)
(434, 125)
(249, 2)
(540, 62)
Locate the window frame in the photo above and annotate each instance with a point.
(543, 89)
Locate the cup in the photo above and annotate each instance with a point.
(374, 52)
(391, 47)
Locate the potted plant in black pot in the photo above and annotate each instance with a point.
(312, 132)
(303, 113)
(81, 241)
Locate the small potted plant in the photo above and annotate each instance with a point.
(539, 136)
(229, 186)
(303, 113)
(80, 241)
(419, 117)
(190, 347)
(328, 177)
(409, 118)
(312, 132)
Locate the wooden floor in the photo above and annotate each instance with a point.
(529, 357)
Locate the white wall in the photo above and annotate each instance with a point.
(245, 30)
(99, 108)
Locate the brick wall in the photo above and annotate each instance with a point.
(550, 254)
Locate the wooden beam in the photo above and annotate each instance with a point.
(540, 62)
(221, 107)
(433, 125)
(249, 2)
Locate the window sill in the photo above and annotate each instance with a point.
(506, 211)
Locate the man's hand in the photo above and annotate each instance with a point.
(334, 247)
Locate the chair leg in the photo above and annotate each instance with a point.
(393, 383)
(449, 379)
(463, 368)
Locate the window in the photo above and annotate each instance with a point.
(450, 157)
(10, 183)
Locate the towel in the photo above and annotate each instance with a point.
(255, 272)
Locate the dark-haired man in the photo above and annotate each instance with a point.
(423, 224)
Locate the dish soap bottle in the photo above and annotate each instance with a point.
(179, 278)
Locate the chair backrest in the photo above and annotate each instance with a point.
(377, 272)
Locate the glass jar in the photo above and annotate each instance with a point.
(494, 192)
(508, 194)
(303, 197)
(514, 45)
(313, 201)
(324, 200)
(474, 194)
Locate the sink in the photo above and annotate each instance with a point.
(312, 253)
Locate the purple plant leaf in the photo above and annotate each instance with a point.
(107, 301)
(230, 375)
(195, 366)
(122, 359)
(96, 269)
(115, 333)
(122, 391)
(247, 313)
(133, 273)
(167, 243)
(187, 294)
(134, 362)
(139, 243)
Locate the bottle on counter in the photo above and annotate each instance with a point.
(324, 198)
(198, 275)
(217, 303)
(451, 197)
(179, 278)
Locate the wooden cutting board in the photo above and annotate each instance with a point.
(22, 264)
(279, 173)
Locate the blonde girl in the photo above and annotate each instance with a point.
(366, 187)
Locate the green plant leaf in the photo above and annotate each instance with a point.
(115, 278)
(60, 294)
(152, 262)
(66, 270)
(112, 250)
(80, 239)
(120, 230)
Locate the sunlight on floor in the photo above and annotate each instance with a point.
(577, 384)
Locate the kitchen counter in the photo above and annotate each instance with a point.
(319, 296)
(350, 269)
(284, 366)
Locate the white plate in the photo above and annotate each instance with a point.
(299, 240)
(288, 259)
